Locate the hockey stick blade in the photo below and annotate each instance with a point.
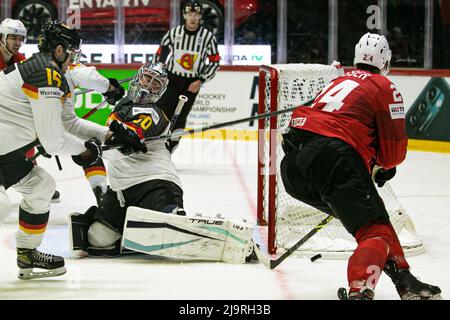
(273, 263)
(262, 257)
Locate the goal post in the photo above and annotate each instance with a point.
(285, 86)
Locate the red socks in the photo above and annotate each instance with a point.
(376, 243)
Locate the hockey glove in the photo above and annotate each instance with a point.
(382, 175)
(114, 95)
(122, 135)
(288, 144)
(91, 155)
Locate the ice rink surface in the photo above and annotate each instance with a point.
(220, 177)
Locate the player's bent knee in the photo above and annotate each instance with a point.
(378, 230)
(100, 235)
(46, 185)
(40, 187)
(5, 204)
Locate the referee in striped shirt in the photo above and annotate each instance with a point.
(192, 58)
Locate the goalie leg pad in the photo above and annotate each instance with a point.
(78, 230)
(104, 241)
(187, 238)
(100, 235)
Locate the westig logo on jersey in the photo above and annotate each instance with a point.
(187, 61)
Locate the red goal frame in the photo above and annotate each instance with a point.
(261, 220)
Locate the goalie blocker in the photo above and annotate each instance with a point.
(187, 238)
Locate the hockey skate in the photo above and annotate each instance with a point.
(408, 286)
(78, 230)
(362, 294)
(28, 259)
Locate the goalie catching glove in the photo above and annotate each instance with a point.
(92, 154)
(112, 96)
(123, 135)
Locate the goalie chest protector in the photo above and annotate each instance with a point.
(148, 118)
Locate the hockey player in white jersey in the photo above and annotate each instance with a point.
(30, 108)
(33, 93)
(146, 187)
(79, 75)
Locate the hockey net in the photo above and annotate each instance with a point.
(288, 220)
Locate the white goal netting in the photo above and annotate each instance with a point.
(288, 220)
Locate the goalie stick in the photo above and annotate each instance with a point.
(181, 101)
(176, 135)
(94, 110)
(273, 263)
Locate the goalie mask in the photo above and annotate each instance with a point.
(149, 84)
(373, 49)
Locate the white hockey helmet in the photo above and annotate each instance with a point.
(149, 84)
(12, 26)
(373, 49)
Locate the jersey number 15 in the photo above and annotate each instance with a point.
(53, 78)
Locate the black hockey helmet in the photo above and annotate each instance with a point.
(54, 33)
(192, 6)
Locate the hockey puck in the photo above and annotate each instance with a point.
(317, 256)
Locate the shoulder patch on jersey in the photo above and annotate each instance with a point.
(397, 111)
(150, 111)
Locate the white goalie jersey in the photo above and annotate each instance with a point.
(147, 120)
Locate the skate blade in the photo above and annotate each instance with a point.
(28, 274)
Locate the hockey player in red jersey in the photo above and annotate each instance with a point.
(353, 133)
